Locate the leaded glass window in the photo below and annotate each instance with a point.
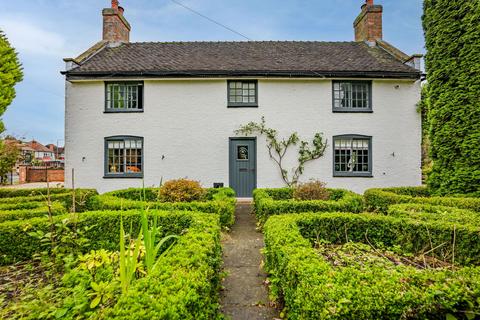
(124, 156)
(242, 93)
(352, 96)
(124, 96)
(352, 156)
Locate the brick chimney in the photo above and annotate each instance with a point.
(115, 27)
(368, 24)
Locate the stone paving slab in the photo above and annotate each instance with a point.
(245, 296)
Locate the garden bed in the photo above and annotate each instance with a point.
(270, 202)
(184, 285)
(379, 199)
(220, 201)
(321, 274)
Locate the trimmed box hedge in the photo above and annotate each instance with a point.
(184, 286)
(17, 245)
(22, 205)
(314, 288)
(12, 193)
(427, 212)
(83, 198)
(379, 199)
(220, 201)
(23, 214)
(270, 202)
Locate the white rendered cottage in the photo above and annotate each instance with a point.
(164, 110)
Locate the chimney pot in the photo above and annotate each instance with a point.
(114, 4)
(369, 2)
(121, 10)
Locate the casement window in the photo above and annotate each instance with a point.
(352, 156)
(123, 97)
(123, 157)
(242, 93)
(352, 96)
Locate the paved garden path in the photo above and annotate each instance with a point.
(244, 296)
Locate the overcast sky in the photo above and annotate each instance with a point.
(45, 31)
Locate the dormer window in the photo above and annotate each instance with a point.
(352, 96)
(242, 93)
(124, 97)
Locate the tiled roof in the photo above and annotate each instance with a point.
(256, 58)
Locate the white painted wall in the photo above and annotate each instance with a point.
(188, 122)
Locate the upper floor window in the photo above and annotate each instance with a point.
(242, 93)
(352, 96)
(352, 156)
(123, 96)
(124, 157)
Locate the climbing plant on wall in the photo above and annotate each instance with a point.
(452, 35)
(10, 74)
(277, 148)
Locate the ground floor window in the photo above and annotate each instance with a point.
(352, 156)
(123, 156)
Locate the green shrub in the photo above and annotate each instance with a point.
(181, 190)
(427, 212)
(314, 287)
(220, 201)
(380, 199)
(279, 201)
(22, 214)
(11, 193)
(452, 64)
(312, 190)
(184, 286)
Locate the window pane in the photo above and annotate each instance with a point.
(351, 155)
(123, 96)
(351, 95)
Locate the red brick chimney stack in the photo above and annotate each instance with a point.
(368, 24)
(115, 27)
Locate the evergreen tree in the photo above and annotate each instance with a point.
(10, 74)
(452, 35)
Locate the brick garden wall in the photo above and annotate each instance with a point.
(32, 174)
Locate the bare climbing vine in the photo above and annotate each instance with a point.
(277, 148)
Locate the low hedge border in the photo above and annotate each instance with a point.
(427, 212)
(11, 193)
(22, 214)
(270, 202)
(186, 284)
(220, 201)
(314, 289)
(21, 205)
(151, 194)
(17, 245)
(379, 199)
(83, 199)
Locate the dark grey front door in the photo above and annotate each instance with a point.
(243, 162)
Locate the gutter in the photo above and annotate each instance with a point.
(72, 75)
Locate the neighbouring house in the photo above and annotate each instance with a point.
(40, 153)
(146, 111)
(59, 152)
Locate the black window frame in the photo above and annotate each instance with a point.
(364, 174)
(107, 174)
(369, 109)
(242, 104)
(140, 98)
